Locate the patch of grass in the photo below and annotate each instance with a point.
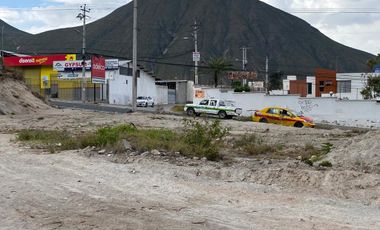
(145, 140)
(312, 154)
(202, 139)
(253, 145)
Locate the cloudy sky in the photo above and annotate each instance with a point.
(354, 23)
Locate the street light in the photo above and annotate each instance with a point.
(2, 38)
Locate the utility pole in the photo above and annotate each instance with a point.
(83, 16)
(2, 38)
(196, 57)
(134, 61)
(244, 60)
(266, 75)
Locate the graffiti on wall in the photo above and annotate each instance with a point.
(307, 106)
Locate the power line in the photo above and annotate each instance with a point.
(333, 12)
(50, 9)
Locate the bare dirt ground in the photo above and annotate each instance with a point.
(16, 98)
(83, 190)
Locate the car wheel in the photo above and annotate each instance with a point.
(152, 105)
(263, 120)
(222, 115)
(146, 104)
(298, 125)
(190, 112)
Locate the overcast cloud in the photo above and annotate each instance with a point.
(358, 30)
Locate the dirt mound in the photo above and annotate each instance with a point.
(359, 153)
(16, 98)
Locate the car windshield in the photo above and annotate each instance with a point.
(141, 98)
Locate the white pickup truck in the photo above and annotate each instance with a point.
(225, 109)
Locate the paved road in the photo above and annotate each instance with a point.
(107, 107)
(91, 106)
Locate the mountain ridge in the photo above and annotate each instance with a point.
(293, 45)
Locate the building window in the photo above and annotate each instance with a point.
(321, 86)
(309, 88)
(344, 86)
(328, 83)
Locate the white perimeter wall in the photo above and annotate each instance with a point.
(120, 89)
(332, 110)
(162, 95)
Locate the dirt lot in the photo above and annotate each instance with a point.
(84, 190)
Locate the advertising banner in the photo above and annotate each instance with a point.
(240, 75)
(98, 70)
(69, 66)
(32, 60)
(71, 75)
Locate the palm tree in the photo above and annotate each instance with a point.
(219, 66)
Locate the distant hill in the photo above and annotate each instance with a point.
(293, 45)
(12, 36)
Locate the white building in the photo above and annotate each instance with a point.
(120, 86)
(349, 85)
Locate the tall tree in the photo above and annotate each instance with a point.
(218, 66)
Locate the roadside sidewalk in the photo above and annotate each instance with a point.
(102, 106)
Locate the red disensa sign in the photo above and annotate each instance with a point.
(98, 69)
(32, 60)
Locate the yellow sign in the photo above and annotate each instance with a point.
(71, 57)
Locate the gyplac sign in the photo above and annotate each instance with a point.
(69, 66)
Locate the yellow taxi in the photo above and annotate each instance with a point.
(282, 116)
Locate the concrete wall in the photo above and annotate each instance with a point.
(190, 92)
(120, 88)
(181, 93)
(162, 95)
(332, 110)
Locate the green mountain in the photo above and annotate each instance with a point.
(292, 45)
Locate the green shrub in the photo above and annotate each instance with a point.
(244, 88)
(203, 138)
